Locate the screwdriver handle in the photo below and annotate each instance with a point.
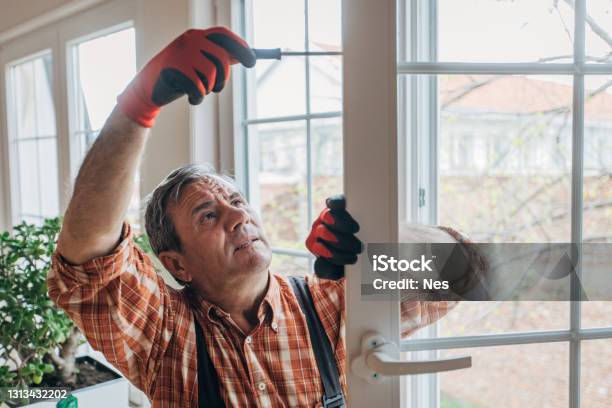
(267, 53)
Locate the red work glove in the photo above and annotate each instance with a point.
(332, 239)
(195, 63)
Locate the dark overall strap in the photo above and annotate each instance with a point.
(209, 395)
(326, 362)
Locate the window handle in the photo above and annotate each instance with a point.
(376, 362)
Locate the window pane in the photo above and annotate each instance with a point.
(98, 85)
(289, 265)
(27, 159)
(598, 30)
(504, 163)
(278, 24)
(325, 25)
(534, 375)
(504, 31)
(33, 131)
(43, 83)
(597, 216)
(49, 189)
(25, 100)
(327, 163)
(504, 147)
(101, 82)
(326, 84)
(281, 174)
(277, 88)
(595, 384)
(598, 159)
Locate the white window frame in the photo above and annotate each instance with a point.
(426, 390)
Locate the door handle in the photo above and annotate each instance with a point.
(375, 361)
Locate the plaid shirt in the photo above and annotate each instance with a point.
(145, 329)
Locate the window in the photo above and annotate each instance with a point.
(501, 120)
(292, 121)
(32, 139)
(97, 83)
(95, 86)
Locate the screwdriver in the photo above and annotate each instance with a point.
(276, 53)
(267, 53)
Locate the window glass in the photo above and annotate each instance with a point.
(277, 88)
(33, 143)
(278, 24)
(97, 85)
(505, 31)
(505, 148)
(98, 82)
(596, 365)
(282, 181)
(532, 375)
(325, 84)
(325, 30)
(597, 218)
(327, 165)
(504, 165)
(598, 31)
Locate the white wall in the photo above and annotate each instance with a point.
(159, 22)
(18, 12)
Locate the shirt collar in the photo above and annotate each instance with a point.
(270, 305)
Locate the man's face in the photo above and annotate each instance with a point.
(221, 235)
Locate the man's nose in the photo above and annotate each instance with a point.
(236, 217)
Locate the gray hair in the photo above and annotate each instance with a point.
(158, 223)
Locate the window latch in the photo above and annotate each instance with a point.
(376, 361)
(421, 197)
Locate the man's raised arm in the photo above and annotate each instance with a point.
(195, 63)
(102, 192)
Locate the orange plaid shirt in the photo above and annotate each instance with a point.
(145, 329)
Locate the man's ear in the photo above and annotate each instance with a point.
(173, 262)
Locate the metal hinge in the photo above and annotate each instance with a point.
(421, 197)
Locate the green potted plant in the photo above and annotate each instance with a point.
(38, 342)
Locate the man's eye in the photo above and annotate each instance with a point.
(238, 202)
(208, 216)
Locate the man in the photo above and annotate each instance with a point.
(247, 321)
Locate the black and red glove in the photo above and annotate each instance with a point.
(332, 239)
(195, 63)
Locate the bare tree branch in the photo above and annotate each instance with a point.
(597, 29)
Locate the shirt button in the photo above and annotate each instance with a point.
(261, 386)
(248, 339)
(274, 325)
